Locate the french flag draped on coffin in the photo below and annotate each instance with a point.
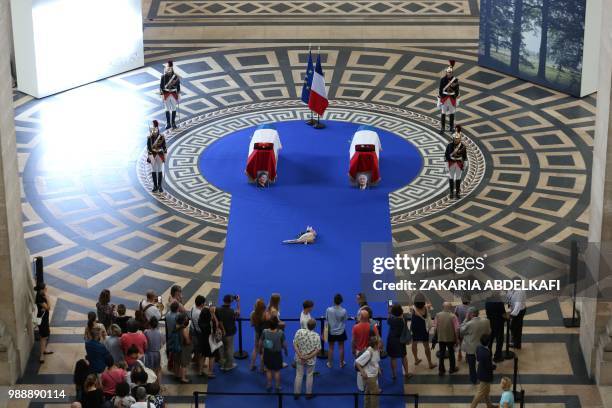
(318, 95)
(263, 152)
(364, 154)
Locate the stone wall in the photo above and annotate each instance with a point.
(16, 289)
(595, 315)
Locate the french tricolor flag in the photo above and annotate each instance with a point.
(318, 95)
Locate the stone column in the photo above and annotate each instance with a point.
(16, 289)
(595, 314)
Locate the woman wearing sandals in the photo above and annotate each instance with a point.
(259, 323)
(396, 349)
(43, 310)
(182, 324)
(208, 325)
(274, 344)
(419, 326)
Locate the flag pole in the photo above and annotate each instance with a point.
(318, 124)
(310, 121)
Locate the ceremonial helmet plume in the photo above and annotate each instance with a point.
(457, 134)
(155, 124)
(170, 64)
(450, 66)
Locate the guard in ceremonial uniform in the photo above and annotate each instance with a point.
(156, 146)
(170, 88)
(448, 97)
(455, 157)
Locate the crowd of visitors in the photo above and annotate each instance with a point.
(122, 367)
(123, 362)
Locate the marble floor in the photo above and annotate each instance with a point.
(85, 189)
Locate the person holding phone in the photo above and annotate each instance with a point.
(227, 318)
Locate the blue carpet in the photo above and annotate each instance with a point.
(312, 189)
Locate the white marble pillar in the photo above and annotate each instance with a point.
(16, 288)
(595, 314)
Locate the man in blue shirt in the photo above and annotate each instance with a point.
(484, 373)
(97, 353)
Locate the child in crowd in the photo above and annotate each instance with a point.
(507, 397)
(156, 399)
(307, 307)
(122, 398)
(122, 319)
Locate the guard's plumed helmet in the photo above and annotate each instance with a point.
(155, 124)
(457, 134)
(169, 64)
(451, 66)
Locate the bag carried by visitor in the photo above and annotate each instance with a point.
(268, 344)
(359, 354)
(406, 335)
(36, 320)
(428, 322)
(142, 317)
(214, 342)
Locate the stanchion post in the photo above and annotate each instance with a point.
(280, 400)
(322, 353)
(195, 399)
(416, 401)
(508, 355)
(522, 398)
(318, 124)
(356, 400)
(240, 354)
(515, 377)
(310, 121)
(39, 271)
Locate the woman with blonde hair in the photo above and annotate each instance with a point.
(274, 304)
(274, 311)
(258, 322)
(113, 343)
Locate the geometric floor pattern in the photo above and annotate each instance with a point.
(93, 219)
(535, 146)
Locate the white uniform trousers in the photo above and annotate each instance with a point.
(170, 103)
(447, 107)
(157, 164)
(454, 172)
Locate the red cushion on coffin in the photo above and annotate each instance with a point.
(263, 146)
(365, 148)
